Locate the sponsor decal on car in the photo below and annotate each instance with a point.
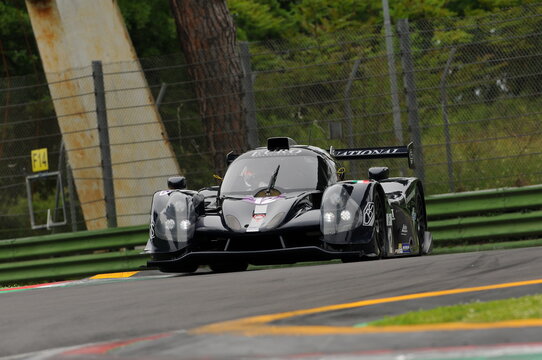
(151, 230)
(263, 200)
(404, 230)
(367, 152)
(389, 219)
(281, 152)
(369, 214)
(260, 211)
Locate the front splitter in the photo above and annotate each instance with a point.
(257, 257)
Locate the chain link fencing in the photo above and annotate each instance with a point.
(468, 95)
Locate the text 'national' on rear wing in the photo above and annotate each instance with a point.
(376, 153)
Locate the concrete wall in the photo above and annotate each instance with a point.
(70, 35)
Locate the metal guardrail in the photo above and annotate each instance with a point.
(72, 255)
(454, 219)
(488, 215)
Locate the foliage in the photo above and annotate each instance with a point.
(153, 32)
(15, 217)
(527, 307)
(18, 51)
(259, 20)
(151, 26)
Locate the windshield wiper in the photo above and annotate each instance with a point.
(272, 181)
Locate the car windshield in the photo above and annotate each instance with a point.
(248, 175)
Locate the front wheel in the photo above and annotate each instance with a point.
(378, 239)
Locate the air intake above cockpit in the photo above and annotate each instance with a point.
(279, 143)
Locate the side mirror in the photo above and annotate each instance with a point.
(230, 157)
(176, 182)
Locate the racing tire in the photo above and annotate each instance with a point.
(378, 240)
(376, 248)
(421, 220)
(228, 267)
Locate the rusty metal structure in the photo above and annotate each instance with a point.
(71, 34)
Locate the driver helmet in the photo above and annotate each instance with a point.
(249, 176)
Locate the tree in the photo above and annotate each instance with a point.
(18, 52)
(208, 40)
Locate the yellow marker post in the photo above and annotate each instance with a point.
(39, 160)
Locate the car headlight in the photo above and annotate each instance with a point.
(340, 212)
(176, 221)
(346, 215)
(329, 217)
(185, 224)
(169, 224)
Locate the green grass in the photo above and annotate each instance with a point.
(528, 307)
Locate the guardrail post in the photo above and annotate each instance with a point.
(103, 133)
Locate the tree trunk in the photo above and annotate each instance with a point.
(208, 40)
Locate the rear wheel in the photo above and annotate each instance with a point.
(228, 267)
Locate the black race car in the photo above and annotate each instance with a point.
(287, 203)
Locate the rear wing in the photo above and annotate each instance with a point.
(376, 153)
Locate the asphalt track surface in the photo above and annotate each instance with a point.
(219, 316)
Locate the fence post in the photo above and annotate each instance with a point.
(248, 98)
(354, 166)
(103, 133)
(59, 188)
(161, 95)
(71, 195)
(410, 88)
(444, 103)
(347, 106)
(397, 125)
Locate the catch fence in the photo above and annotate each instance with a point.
(467, 95)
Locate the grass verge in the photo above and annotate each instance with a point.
(527, 307)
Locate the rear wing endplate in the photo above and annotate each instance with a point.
(376, 153)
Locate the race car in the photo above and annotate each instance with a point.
(288, 203)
